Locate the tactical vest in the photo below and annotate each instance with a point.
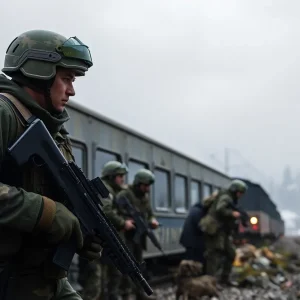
(32, 177)
(110, 189)
(209, 223)
(140, 203)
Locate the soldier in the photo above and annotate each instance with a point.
(33, 219)
(218, 225)
(137, 194)
(113, 177)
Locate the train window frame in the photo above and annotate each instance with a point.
(169, 188)
(194, 180)
(100, 149)
(181, 210)
(205, 183)
(81, 145)
(137, 161)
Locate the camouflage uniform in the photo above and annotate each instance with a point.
(29, 217)
(100, 277)
(113, 276)
(91, 274)
(218, 225)
(142, 203)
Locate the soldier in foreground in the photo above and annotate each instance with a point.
(33, 218)
(218, 225)
(137, 194)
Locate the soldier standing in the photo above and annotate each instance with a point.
(137, 194)
(98, 276)
(33, 219)
(113, 175)
(218, 225)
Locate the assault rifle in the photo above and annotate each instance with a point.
(244, 216)
(84, 200)
(141, 227)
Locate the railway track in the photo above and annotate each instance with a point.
(160, 280)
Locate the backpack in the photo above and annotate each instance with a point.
(208, 201)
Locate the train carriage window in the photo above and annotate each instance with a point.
(195, 192)
(102, 157)
(133, 167)
(162, 190)
(207, 190)
(180, 194)
(79, 152)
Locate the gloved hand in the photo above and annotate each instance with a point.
(92, 248)
(63, 226)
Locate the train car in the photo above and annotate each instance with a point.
(180, 180)
(266, 223)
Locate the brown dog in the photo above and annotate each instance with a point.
(190, 283)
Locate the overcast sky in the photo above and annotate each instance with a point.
(196, 75)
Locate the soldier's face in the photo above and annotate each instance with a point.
(120, 179)
(239, 195)
(145, 188)
(62, 88)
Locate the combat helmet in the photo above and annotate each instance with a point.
(144, 176)
(32, 59)
(36, 54)
(237, 185)
(113, 168)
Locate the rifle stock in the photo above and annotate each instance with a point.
(84, 200)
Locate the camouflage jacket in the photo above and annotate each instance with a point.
(26, 207)
(142, 204)
(110, 209)
(219, 215)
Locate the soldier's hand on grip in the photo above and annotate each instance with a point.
(236, 214)
(154, 224)
(92, 248)
(129, 224)
(63, 226)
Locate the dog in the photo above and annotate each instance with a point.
(191, 284)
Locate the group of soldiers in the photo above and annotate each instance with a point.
(101, 279)
(34, 219)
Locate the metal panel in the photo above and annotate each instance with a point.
(162, 158)
(180, 165)
(138, 149)
(196, 171)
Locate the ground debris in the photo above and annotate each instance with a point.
(270, 273)
(270, 292)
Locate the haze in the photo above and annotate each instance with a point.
(199, 76)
